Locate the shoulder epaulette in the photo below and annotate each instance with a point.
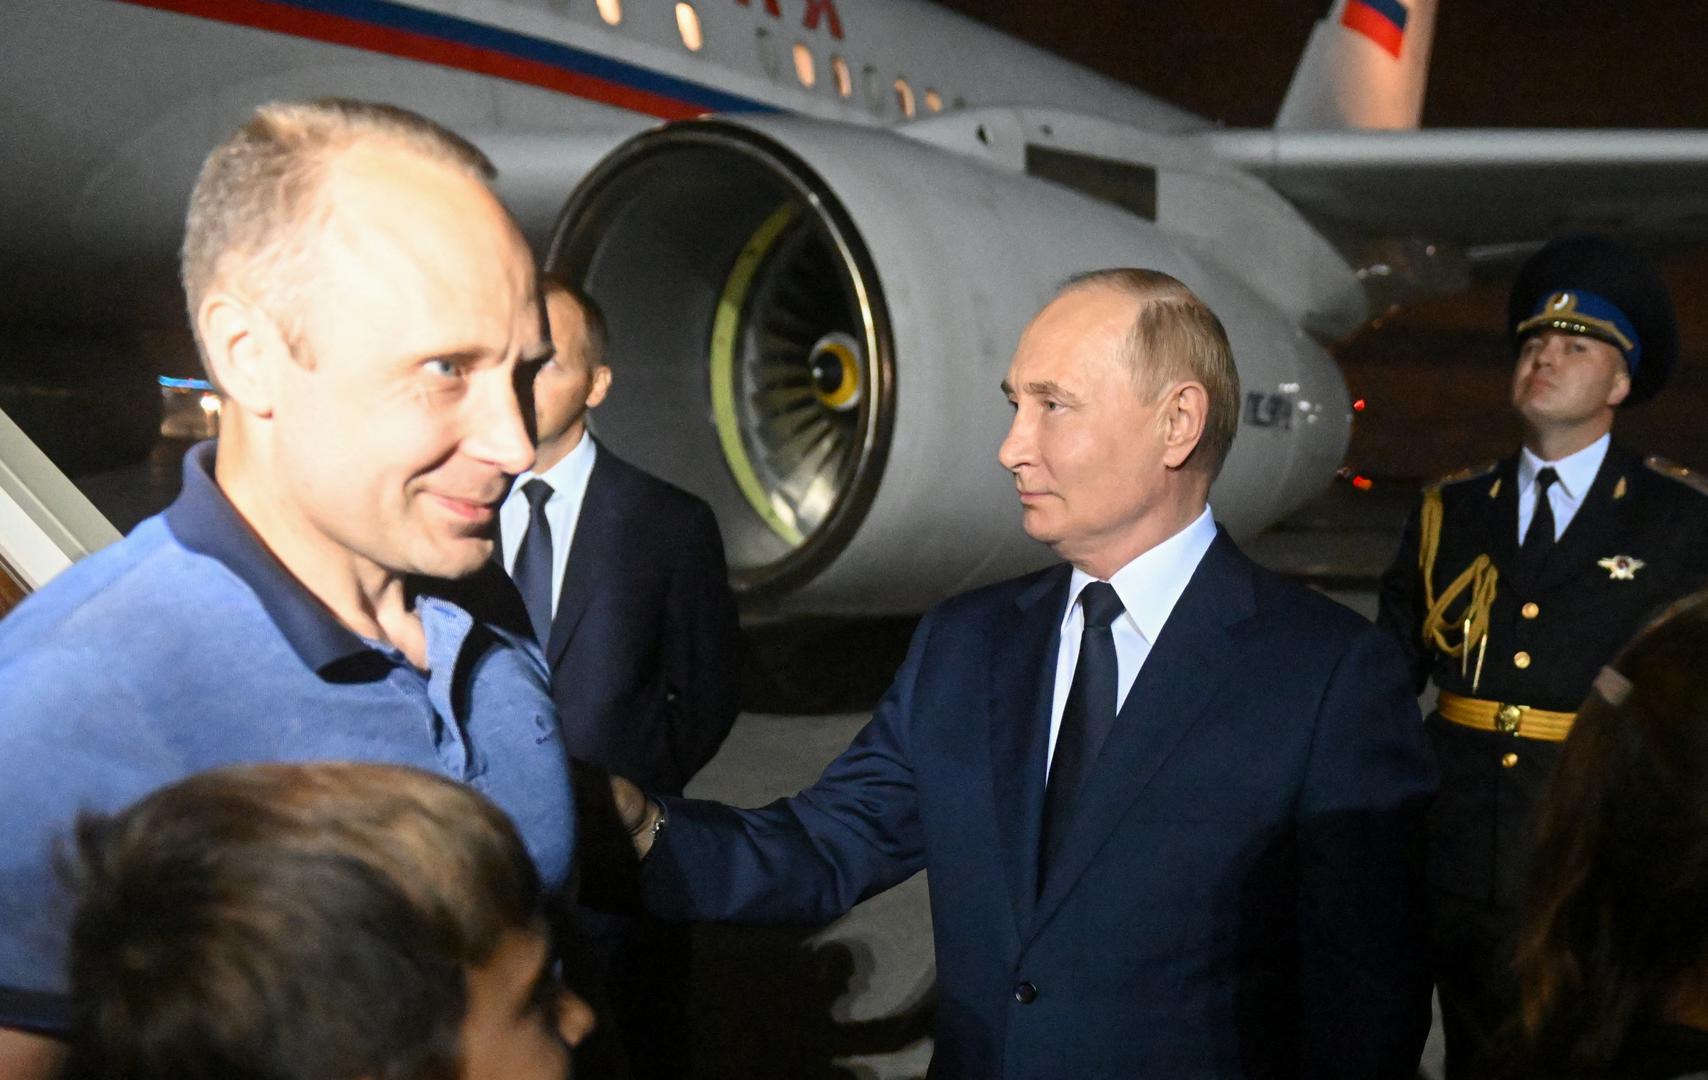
(1463, 475)
(1673, 470)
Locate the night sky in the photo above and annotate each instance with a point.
(1436, 374)
(1504, 63)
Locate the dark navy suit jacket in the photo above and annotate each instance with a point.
(645, 666)
(1241, 893)
(644, 653)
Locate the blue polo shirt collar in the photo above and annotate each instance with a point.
(205, 522)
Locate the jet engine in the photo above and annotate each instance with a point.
(810, 324)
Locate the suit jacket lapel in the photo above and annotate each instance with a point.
(593, 528)
(1191, 658)
(1023, 666)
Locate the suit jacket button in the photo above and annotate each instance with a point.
(1530, 610)
(1025, 993)
(1521, 660)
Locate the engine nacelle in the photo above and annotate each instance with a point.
(810, 324)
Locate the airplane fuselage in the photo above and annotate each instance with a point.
(943, 179)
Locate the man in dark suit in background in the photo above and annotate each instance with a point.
(1517, 581)
(1171, 804)
(624, 580)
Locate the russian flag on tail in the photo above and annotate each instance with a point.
(1382, 21)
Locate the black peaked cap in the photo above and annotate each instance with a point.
(1597, 264)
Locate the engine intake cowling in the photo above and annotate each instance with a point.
(810, 324)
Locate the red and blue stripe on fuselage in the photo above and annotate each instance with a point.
(432, 37)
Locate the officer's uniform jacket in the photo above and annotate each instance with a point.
(1638, 541)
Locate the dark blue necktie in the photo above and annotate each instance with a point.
(1086, 719)
(533, 571)
(1540, 539)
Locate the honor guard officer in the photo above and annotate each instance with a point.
(1516, 582)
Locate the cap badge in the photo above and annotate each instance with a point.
(1621, 567)
(1584, 313)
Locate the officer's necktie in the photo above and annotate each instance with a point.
(1086, 719)
(1540, 538)
(533, 571)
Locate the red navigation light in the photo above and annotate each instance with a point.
(1358, 406)
(1363, 483)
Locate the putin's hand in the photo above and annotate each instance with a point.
(641, 816)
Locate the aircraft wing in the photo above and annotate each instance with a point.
(1484, 187)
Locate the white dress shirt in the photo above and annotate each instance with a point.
(568, 480)
(1149, 587)
(1577, 472)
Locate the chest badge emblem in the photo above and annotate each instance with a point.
(1621, 567)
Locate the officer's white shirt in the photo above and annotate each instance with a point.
(1149, 587)
(568, 480)
(1577, 472)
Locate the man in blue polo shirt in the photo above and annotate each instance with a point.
(369, 311)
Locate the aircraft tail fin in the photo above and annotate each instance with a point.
(1365, 66)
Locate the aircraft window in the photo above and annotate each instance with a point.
(611, 11)
(688, 25)
(904, 97)
(844, 78)
(933, 101)
(768, 53)
(804, 69)
(875, 91)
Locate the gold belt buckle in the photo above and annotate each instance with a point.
(1507, 719)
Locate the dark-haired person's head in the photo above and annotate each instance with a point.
(576, 378)
(1614, 947)
(330, 921)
